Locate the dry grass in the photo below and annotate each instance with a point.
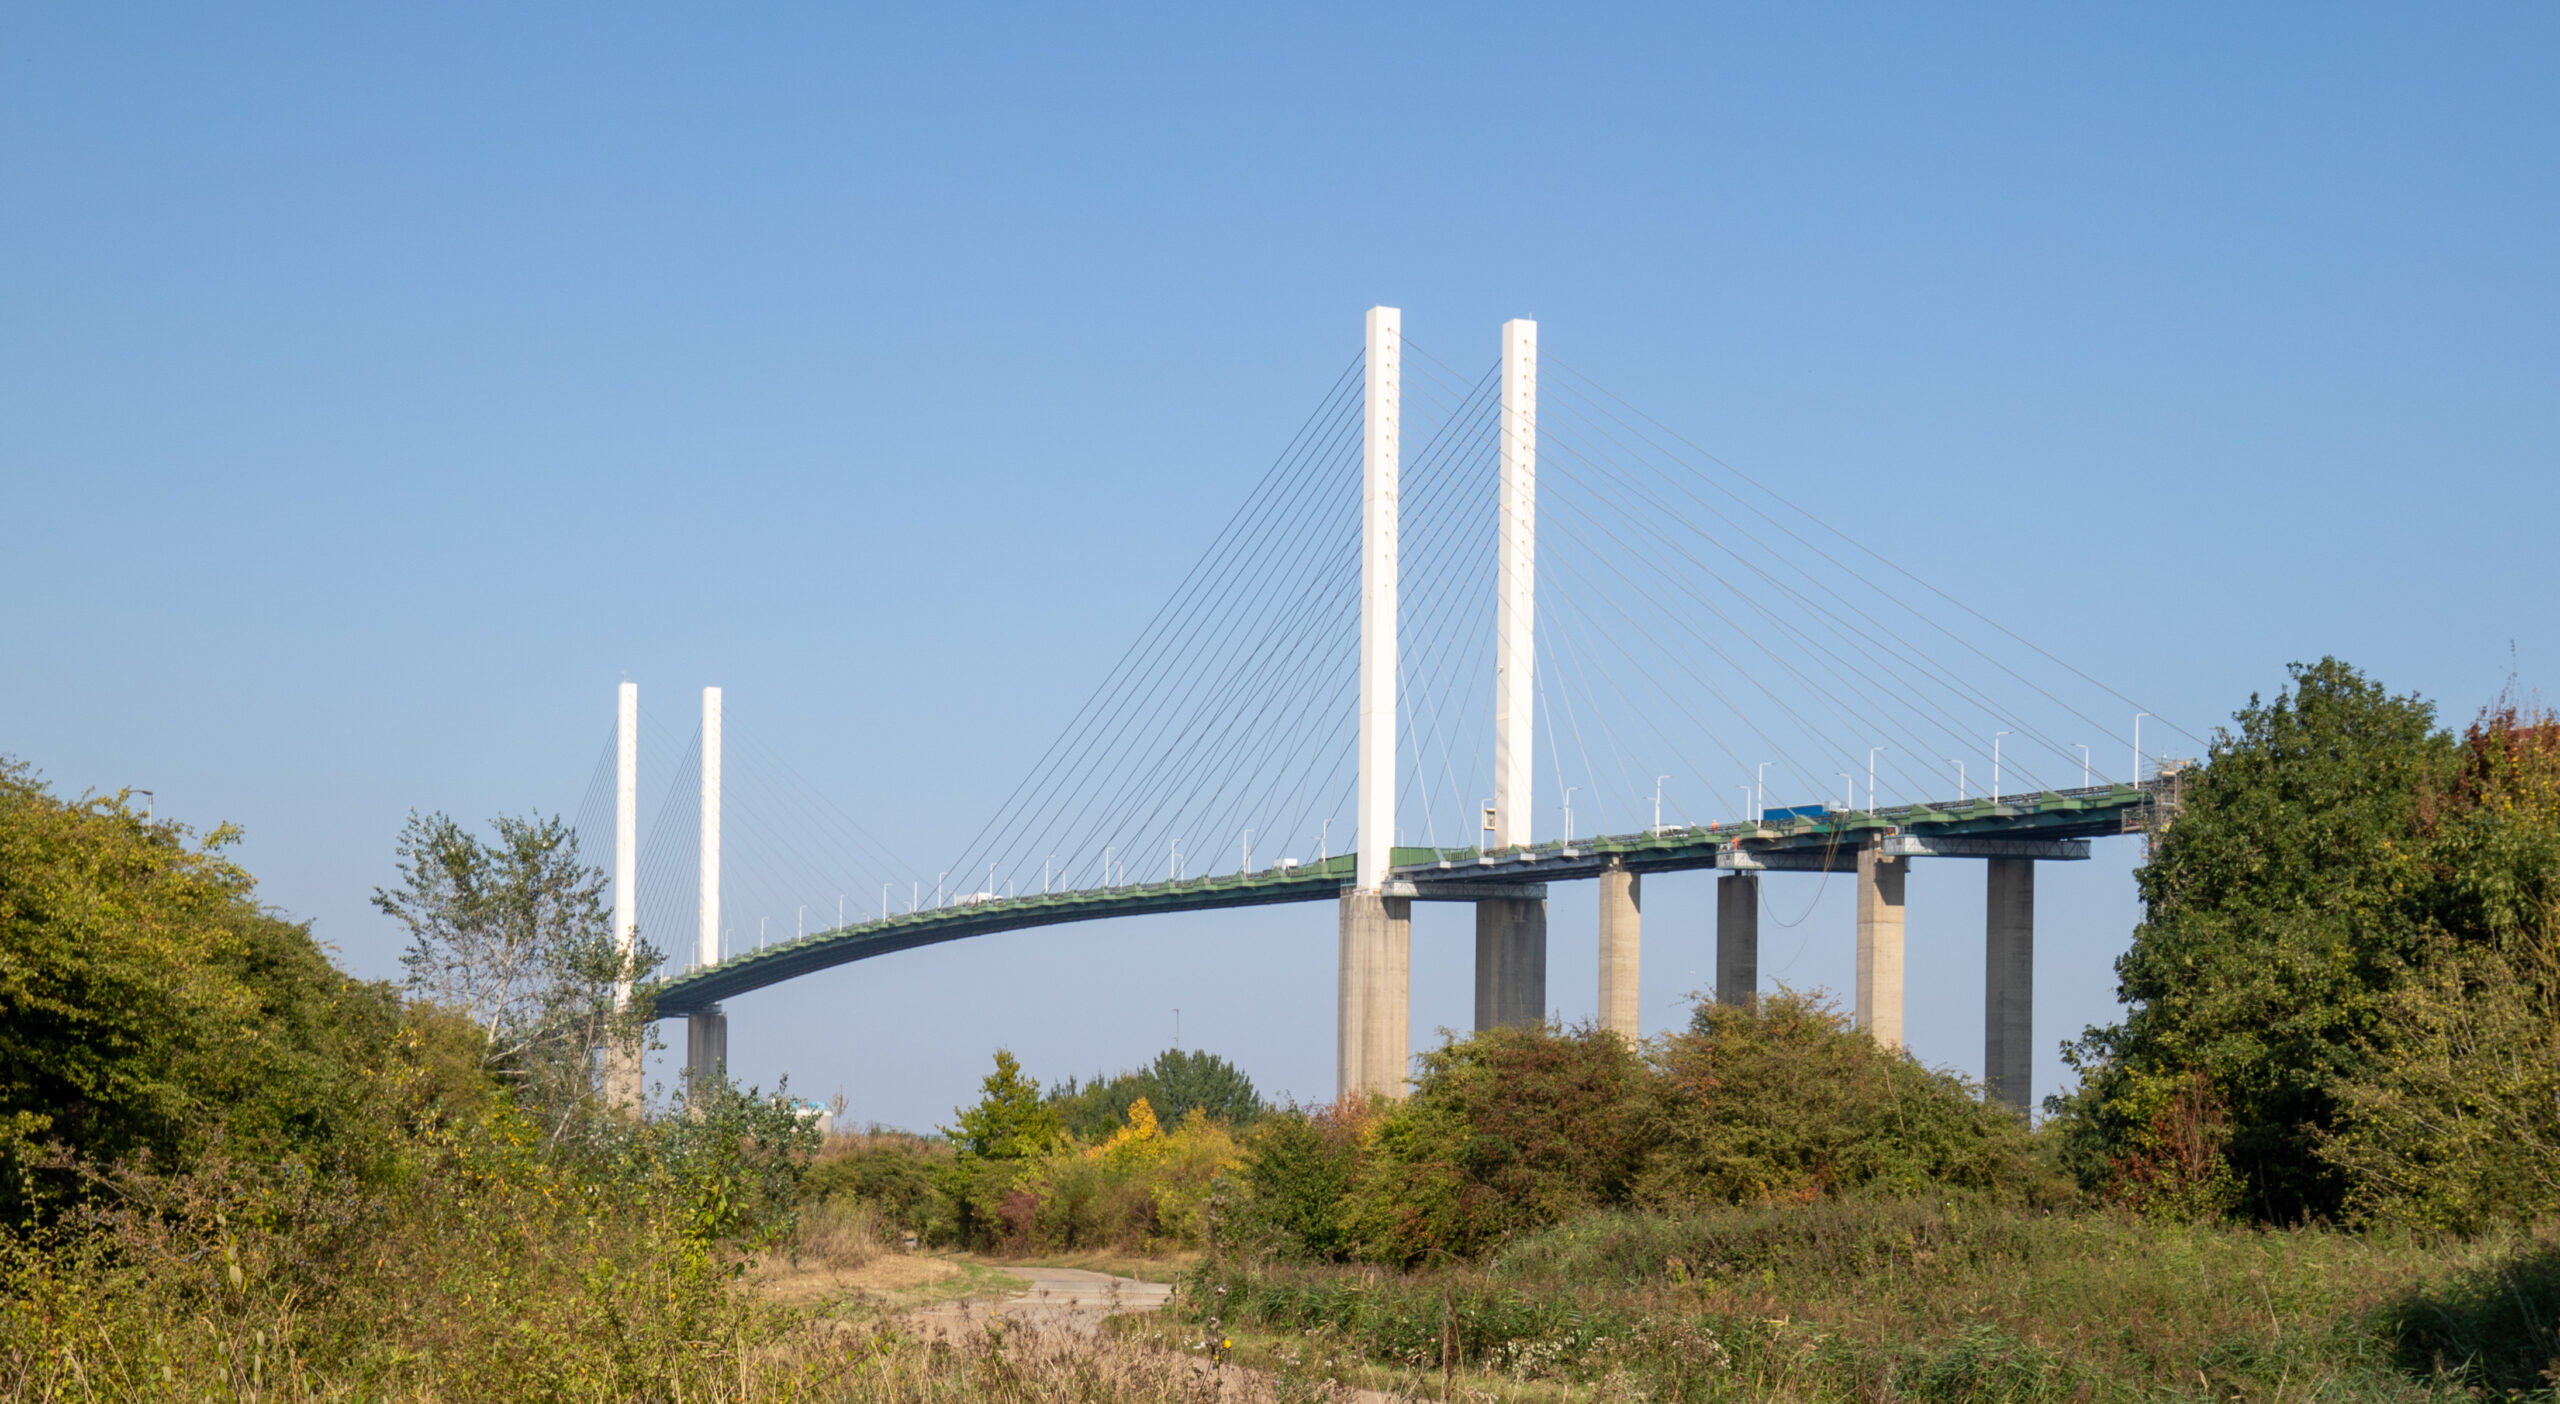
(836, 1234)
(1010, 1363)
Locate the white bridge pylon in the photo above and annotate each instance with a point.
(1376, 917)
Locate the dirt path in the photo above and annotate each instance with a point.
(1058, 1299)
(1071, 1303)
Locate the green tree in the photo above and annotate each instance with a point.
(2453, 1120)
(995, 1141)
(513, 933)
(2282, 904)
(148, 1005)
(1176, 1084)
(1011, 1120)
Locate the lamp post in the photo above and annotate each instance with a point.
(1760, 793)
(1959, 765)
(1995, 765)
(1871, 780)
(1657, 802)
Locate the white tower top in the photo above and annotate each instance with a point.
(1380, 439)
(707, 929)
(1515, 656)
(626, 828)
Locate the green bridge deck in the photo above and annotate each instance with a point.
(1831, 840)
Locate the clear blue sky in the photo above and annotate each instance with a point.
(377, 389)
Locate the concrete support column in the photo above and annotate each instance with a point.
(1880, 945)
(1621, 949)
(706, 1048)
(1511, 962)
(2009, 982)
(1375, 1034)
(1737, 938)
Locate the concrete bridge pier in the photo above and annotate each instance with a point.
(1738, 938)
(706, 1048)
(1511, 962)
(1880, 884)
(1375, 1025)
(1621, 949)
(2009, 981)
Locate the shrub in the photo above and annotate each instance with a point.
(148, 1006)
(1509, 1130)
(899, 1176)
(1787, 1100)
(1144, 1189)
(1297, 1178)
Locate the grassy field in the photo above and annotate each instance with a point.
(1916, 1301)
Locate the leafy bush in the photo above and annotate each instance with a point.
(1509, 1130)
(899, 1175)
(1297, 1178)
(1512, 1130)
(149, 1007)
(1144, 1189)
(1787, 1100)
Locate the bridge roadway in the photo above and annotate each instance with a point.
(2052, 824)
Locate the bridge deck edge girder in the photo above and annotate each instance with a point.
(2094, 813)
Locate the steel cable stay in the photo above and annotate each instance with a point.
(1122, 805)
(1879, 557)
(1311, 446)
(1887, 562)
(1849, 634)
(1572, 655)
(775, 875)
(766, 804)
(1566, 606)
(1564, 563)
(1433, 669)
(1567, 611)
(595, 808)
(1185, 777)
(1882, 716)
(1135, 714)
(1302, 688)
(1881, 713)
(1181, 821)
(1446, 612)
(1139, 721)
(1202, 762)
(816, 801)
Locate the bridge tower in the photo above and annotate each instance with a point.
(622, 1071)
(1374, 1036)
(1511, 932)
(706, 1031)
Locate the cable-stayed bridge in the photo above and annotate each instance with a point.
(1468, 637)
